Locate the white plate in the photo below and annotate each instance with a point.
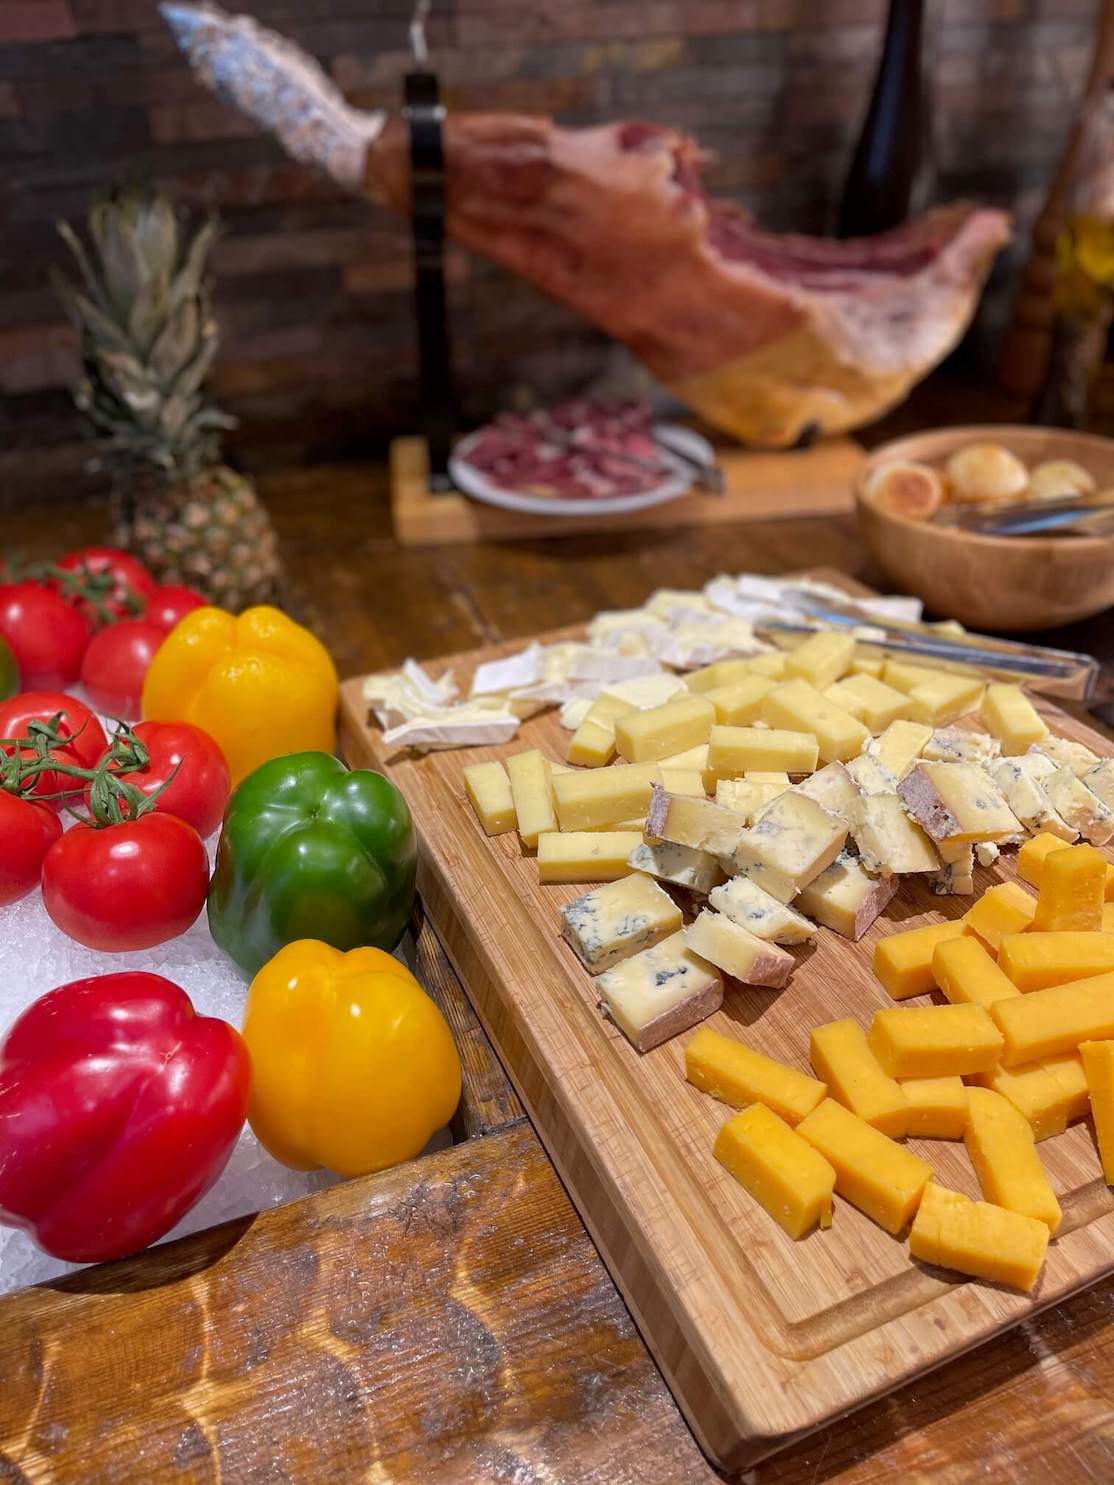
(472, 482)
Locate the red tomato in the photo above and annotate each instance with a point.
(27, 831)
(85, 735)
(116, 662)
(132, 584)
(171, 602)
(200, 788)
(46, 635)
(129, 886)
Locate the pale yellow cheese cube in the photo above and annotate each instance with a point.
(903, 675)
(745, 799)
(586, 800)
(737, 750)
(790, 844)
(737, 952)
(688, 781)
(532, 791)
(768, 776)
(722, 673)
(784, 1174)
(821, 659)
(586, 855)
(645, 737)
(879, 704)
(797, 705)
(772, 665)
(900, 745)
(489, 793)
(740, 702)
(866, 664)
(946, 697)
(1008, 714)
(593, 743)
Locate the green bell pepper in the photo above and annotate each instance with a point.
(310, 849)
(9, 672)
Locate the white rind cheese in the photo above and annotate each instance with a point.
(618, 920)
(659, 993)
(745, 903)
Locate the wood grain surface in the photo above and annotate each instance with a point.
(1036, 1404)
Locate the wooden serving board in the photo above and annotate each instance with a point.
(761, 1338)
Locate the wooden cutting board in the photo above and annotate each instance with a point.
(761, 1338)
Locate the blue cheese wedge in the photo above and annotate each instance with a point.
(958, 745)
(957, 801)
(790, 843)
(1066, 754)
(871, 777)
(1020, 780)
(833, 787)
(1100, 780)
(745, 903)
(618, 920)
(697, 870)
(846, 897)
(660, 992)
(956, 876)
(738, 953)
(888, 840)
(697, 823)
(1074, 802)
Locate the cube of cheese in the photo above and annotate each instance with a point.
(936, 1041)
(879, 704)
(937, 1107)
(1031, 858)
(888, 840)
(847, 701)
(1006, 908)
(645, 737)
(660, 992)
(593, 743)
(772, 776)
(746, 903)
(669, 862)
(532, 791)
(903, 961)
(903, 675)
(738, 953)
(1098, 1064)
(845, 897)
(790, 844)
(867, 663)
(722, 673)
(618, 920)
(693, 758)
(1072, 891)
(1083, 811)
(783, 1173)
(587, 800)
(1065, 753)
(1004, 1154)
(1055, 1020)
(772, 665)
(898, 748)
(956, 801)
(967, 974)
(799, 706)
(744, 798)
(978, 1238)
(696, 823)
(873, 1172)
(871, 777)
(586, 855)
(740, 702)
(1036, 961)
(682, 781)
(944, 698)
(738, 1075)
(1050, 1093)
(842, 1059)
(1008, 714)
(822, 658)
(833, 787)
(489, 793)
(1020, 781)
(959, 745)
(736, 750)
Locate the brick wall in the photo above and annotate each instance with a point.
(313, 288)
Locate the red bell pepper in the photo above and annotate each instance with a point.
(119, 1108)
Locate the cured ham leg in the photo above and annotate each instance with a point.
(767, 336)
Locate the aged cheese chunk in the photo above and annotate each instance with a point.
(957, 745)
(693, 758)
(888, 840)
(847, 701)
(937, 1107)
(873, 1172)
(797, 705)
(1065, 753)
(738, 1075)
(845, 897)
(978, 1238)
(898, 748)
(834, 788)
(737, 952)
(945, 698)
(935, 1041)
(841, 1057)
(1098, 1065)
(593, 743)
(1006, 908)
(745, 798)
(722, 673)
(737, 750)
(585, 855)
(697, 823)
(1004, 1154)
(489, 793)
(1008, 714)
(745, 903)
(956, 877)
(586, 800)
(1048, 1022)
(686, 781)
(822, 658)
(646, 737)
(772, 665)
(903, 961)
(790, 844)
(871, 777)
(1074, 803)
(669, 862)
(966, 973)
(956, 801)
(783, 1173)
(660, 992)
(618, 920)
(532, 791)
(1100, 780)
(1037, 961)
(740, 702)
(1050, 1093)
(879, 704)
(867, 664)
(1072, 891)
(1020, 782)
(768, 776)
(903, 676)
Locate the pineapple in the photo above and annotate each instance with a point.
(148, 341)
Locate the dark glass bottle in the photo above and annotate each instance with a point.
(880, 185)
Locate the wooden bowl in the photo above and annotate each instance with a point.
(994, 582)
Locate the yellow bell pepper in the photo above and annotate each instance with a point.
(259, 684)
(353, 1066)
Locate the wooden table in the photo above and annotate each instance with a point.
(450, 1320)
